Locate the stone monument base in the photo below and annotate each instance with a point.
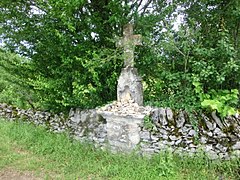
(123, 132)
(124, 122)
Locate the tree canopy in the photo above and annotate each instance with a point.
(73, 61)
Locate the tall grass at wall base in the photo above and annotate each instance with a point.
(59, 157)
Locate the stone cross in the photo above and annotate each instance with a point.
(128, 42)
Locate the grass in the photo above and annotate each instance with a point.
(27, 148)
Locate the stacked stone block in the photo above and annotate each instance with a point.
(170, 130)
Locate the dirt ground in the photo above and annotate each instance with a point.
(10, 174)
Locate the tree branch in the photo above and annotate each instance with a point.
(144, 8)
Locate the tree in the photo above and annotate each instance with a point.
(13, 90)
(74, 61)
(204, 49)
(70, 44)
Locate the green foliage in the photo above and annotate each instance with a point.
(165, 165)
(72, 61)
(70, 47)
(147, 122)
(223, 101)
(14, 95)
(204, 48)
(13, 89)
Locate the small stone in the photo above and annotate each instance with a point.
(233, 138)
(76, 118)
(185, 130)
(131, 111)
(218, 133)
(221, 148)
(8, 110)
(192, 145)
(180, 120)
(223, 155)
(144, 145)
(169, 114)
(236, 146)
(155, 145)
(163, 131)
(156, 151)
(154, 138)
(236, 115)
(188, 141)
(166, 128)
(210, 126)
(208, 148)
(203, 140)
(178, 142)
(171, 143)
(155, 116)
(164, 136)
(135, 105)
(212, 155)
(217, 120)
(145, 135)
(173, 138)
(210, 134)
(165, 142)
(192, 132)
(162, 117)
(188, 126)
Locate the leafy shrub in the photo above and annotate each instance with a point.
(223, 101)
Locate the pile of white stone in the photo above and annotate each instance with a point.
(126, 108)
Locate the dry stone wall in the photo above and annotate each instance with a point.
(174, 131)
(86, 125)
(164, 129)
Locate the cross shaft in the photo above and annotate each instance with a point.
(128, 42)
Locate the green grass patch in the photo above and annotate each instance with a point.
(25, 147)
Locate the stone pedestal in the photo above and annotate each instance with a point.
(130, 87)
(123, 132)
